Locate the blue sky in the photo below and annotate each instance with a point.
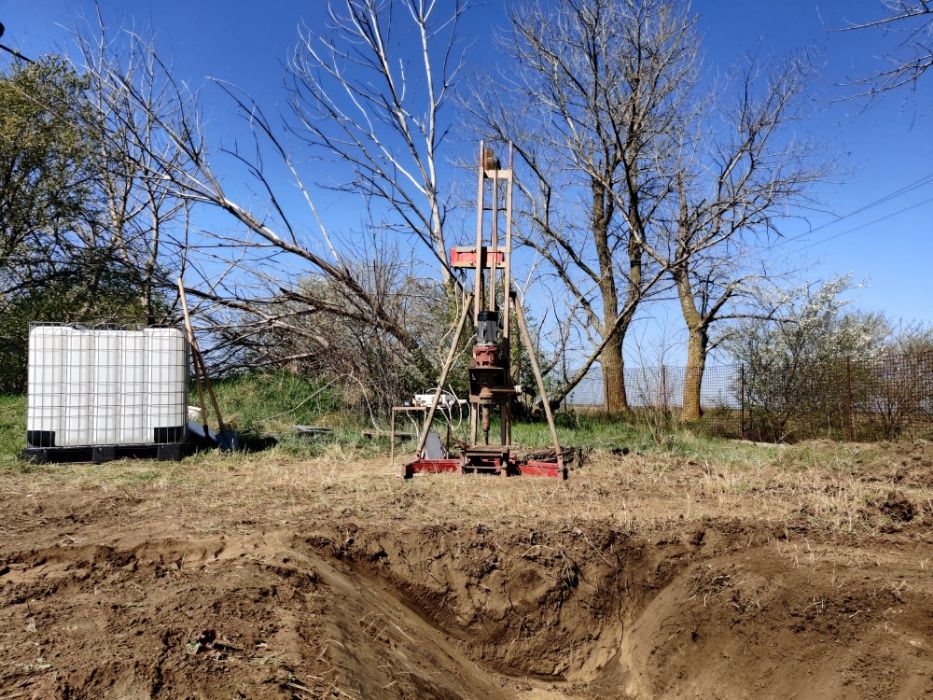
(880, 148)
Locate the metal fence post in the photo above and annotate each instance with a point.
(742, 401)
(662, 397)
(849, 393)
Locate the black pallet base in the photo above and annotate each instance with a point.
(171, 452)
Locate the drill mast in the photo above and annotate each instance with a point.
(490, 374)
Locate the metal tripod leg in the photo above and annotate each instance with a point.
(539, 380)
(448, 364)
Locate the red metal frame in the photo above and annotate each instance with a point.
(431, 466)
(490, 379)
(466, 257)
(513, 467)
(538, 468)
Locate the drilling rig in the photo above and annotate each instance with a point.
(491, 385)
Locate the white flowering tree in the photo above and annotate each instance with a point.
(795, 365)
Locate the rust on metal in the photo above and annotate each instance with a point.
(465, 256)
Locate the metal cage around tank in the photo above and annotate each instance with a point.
(98, 392)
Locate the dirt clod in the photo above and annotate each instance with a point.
(897, 507)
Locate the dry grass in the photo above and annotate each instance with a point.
(816, 485)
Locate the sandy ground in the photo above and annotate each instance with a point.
(804, 572)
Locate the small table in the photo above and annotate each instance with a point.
(395, 411)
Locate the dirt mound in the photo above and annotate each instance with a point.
(897, 507)
(450, 612)
(364, 587)
(525, 603)
(216, 617)
(782, 624)
(723, 610)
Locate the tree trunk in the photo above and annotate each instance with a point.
(611, 357)
(697, 334)
(613, 375)
(440, 246)
(697, 344)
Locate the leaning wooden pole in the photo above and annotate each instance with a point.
(200, 366)
(445, 372)
(536, 369)
(194, 355)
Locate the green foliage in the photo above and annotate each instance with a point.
(798, 364)
(601, 432)
(45, 153)
(68, 300)
(12, 428)
(258, 404)
(44, 157)
(58, 263)
(272, 402)
(819, 370)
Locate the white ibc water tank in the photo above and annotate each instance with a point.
(165, 363)
(92, 386)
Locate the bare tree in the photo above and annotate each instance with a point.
(733, 186)
(598, 96)
(356, 349)
(911, 23)
(245, 270)
(142, 220)
(359, 101)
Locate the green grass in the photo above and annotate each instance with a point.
(253, 404)
(272, 403)
(12, 429)
(594, 431)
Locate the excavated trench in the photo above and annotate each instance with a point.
(454, 611)
(521, 604)
(719, 609)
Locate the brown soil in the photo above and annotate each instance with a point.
(278, 578)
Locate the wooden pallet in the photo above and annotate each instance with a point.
(169, 452)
